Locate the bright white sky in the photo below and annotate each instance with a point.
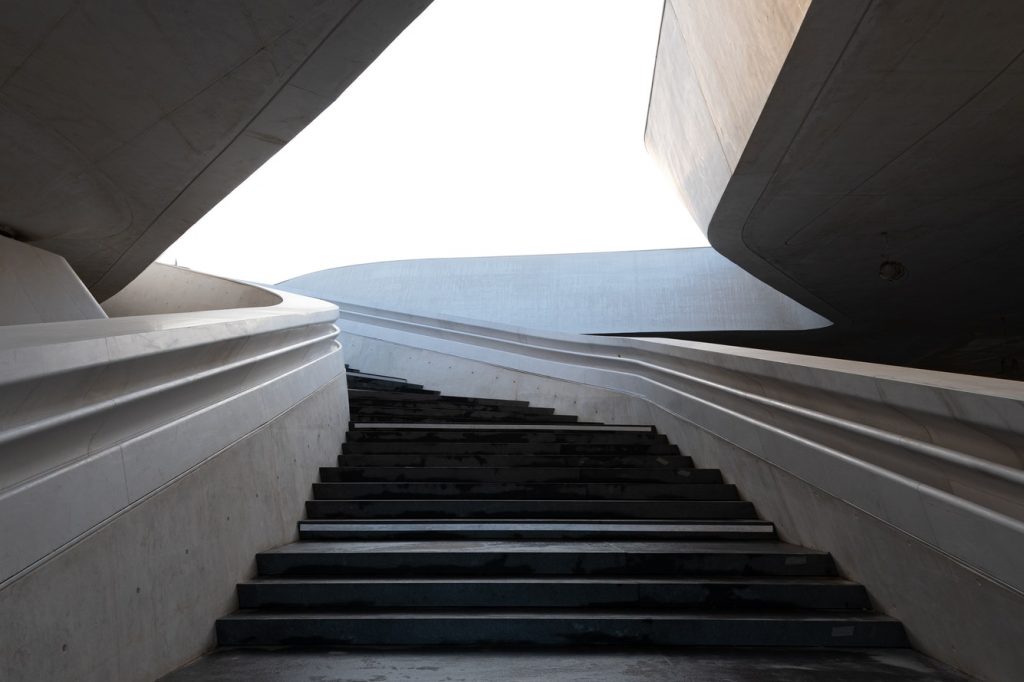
(489, 127)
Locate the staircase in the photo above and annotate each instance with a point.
(476, 522)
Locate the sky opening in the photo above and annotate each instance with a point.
(489, 127)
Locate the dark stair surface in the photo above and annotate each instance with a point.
(461, 521)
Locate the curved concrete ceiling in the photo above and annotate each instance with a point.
(891, 136)
(122, 123)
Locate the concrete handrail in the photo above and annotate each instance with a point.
(940, 456)
(96, 415)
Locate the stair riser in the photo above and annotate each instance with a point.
(527, 509)
(668, 462)
(359, 396)
(456, 416)
(413, 409)
(510, 564)
(556, 594)
(381, 384)
(592, 536)
(492, 436)
(518, 491)
(519, 474)
(509, 449)
(568, 632)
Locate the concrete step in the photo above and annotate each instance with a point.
(547, 593)
(491, 461)
(441, 405)
(543, 558)
(527, 509)
(558, 627)
(484, 489)
(546, 529)
(593, 448)
(519, 474)
(366, 382)
(356, 396)
(462, 419)
(359, 380)
(359, 374)
(519, 434)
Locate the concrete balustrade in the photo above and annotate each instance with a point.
(100, 413)
(145, 458)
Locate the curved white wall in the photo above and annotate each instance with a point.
(145, 459)
(623, 291)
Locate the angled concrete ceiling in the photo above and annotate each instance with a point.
(122, 123)
(892, 133)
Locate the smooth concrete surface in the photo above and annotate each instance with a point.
(625, 291)
(121, 124)
(897, 536)
(717, 63)
(890, 134)
(708, 665)
(39, 286)
(163, 289)
(95, 415)
(137, 597)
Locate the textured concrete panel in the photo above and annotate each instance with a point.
(138, 597)
(686, 144)
(717, 63)
(628, 291)
(736, 49)
(38, 286)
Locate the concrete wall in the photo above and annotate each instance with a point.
(138, 596)
(952, 611)
(627, 291)
(39, 286)
(162, 289)
(145, 459)
(717, 63)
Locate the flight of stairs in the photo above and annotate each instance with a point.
(475, 522)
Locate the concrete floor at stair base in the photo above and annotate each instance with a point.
(692, 665)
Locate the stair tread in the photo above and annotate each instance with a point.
(640, 524)
(574, 613)
(540, 546)
(555, 580)
(406, 427)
